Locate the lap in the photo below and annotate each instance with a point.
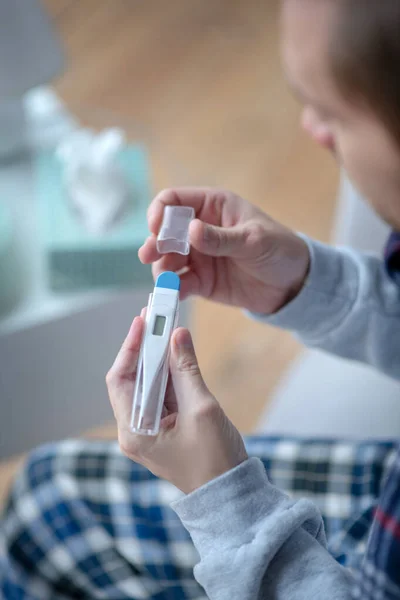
(82, 520)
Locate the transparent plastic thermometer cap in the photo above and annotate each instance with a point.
(174, 233)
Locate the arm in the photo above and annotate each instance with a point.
(348, 306)
(240, 256)
(256, 543)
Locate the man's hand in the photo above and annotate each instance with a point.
(239, 255)
(197, 442)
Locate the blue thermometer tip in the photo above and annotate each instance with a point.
(168, 280)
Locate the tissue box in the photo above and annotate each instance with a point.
(77, 260)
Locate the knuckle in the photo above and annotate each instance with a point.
(257, 231)
(208, 409)
(166, 195)
(215, 238)
(188, 364)
(220, 240)
(215, 199)
(110, 378)
(220, 197)
(128, 444)
(257, 236)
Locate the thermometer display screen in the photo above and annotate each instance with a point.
(159, 325)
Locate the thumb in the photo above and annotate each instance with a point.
(218, 241)
(188, 382)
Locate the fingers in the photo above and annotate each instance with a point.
(125, 364)
(191, 282)
(190, 285)
(189, 385)
(169, 262)
(207, 239)
(197, 275)
(120, 378)
(170, 405)
(218, 241)
(148, 254)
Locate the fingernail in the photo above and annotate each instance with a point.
(183, 271)
(145, 243)
(207, 232)
(183, 340)
(149, 237)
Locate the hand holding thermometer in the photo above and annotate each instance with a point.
(153, 365)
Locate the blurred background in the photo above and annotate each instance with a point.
(198, 87)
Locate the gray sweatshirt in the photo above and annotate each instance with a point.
(254, 542)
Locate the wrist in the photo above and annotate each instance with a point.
(296, 264)
(293, 290)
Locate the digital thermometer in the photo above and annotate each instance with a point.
(153, 364)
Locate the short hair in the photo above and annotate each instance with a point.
(365, 56)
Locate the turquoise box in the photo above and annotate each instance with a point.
(77, 260)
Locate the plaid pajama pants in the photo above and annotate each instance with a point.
(82, 521)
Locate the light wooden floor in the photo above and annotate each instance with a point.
(204, 77)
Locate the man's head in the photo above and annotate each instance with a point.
(342, 59)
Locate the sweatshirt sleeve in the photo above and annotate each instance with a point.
(255, 543)
(348, 306)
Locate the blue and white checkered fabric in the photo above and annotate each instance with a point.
(82, 521)
(379, 577)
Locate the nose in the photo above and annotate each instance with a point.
(316, 129)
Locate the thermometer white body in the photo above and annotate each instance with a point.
(153, 364)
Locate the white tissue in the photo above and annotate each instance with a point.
(95, 184)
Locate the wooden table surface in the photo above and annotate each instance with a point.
(205, 78)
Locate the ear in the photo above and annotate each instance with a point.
(316, 129)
